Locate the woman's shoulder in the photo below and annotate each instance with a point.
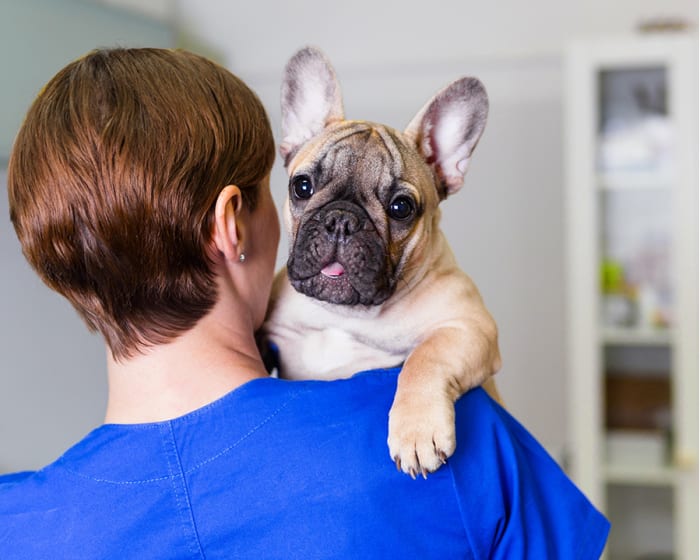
(31, 505)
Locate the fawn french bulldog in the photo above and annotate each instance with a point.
(371, 281)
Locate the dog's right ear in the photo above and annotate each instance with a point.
(311, 99)
(447, 129)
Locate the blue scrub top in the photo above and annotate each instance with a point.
(282, 469)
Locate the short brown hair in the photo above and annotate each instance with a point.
(112, 182)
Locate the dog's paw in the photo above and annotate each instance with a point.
(421, 436)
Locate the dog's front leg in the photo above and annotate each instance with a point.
(449, 362)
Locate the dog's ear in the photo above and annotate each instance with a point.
(310, 100)
(447, 129)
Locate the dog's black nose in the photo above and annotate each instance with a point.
(341, 223)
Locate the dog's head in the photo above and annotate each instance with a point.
(363, 198)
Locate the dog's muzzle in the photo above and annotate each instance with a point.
(338, 256)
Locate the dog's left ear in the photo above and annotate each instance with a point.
(447, 129)
(311, 99)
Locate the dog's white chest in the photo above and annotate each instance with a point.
(332, 353)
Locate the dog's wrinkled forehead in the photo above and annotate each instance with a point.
(361, 155)
(362, 158)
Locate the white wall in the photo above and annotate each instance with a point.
(52, 371)
(386, 34)
(39, 37)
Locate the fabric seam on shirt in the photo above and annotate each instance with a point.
(185, 507)
(107, 481)
(243, 437)
(461, 509)
(60, 463)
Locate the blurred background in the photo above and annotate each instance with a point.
(578, 219)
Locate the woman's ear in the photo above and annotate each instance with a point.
(228, 227)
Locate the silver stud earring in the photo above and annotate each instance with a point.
(241, 257)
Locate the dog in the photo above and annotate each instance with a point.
(370, 281)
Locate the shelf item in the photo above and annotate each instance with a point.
(635, 231)
(646, 515)
(638, 405)
(636, 336)
(632, 283)
(634, 181)
(635, 130)
(636, 449)
(640, 475)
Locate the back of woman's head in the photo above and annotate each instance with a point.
(112, 182)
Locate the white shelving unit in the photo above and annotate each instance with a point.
(614, 170)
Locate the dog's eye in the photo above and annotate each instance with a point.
(302, 187)
(401, 208)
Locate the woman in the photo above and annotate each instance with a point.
(139, 190)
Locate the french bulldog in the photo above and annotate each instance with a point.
(370, 281)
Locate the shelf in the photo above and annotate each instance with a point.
(633, 475)
(629, 336)
(634, 180)
(631, 219)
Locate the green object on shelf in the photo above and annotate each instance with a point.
(612, 277)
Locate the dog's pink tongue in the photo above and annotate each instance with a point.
(333, 270)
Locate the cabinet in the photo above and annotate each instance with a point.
(632, 288)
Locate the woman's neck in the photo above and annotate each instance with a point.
(173, 379)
